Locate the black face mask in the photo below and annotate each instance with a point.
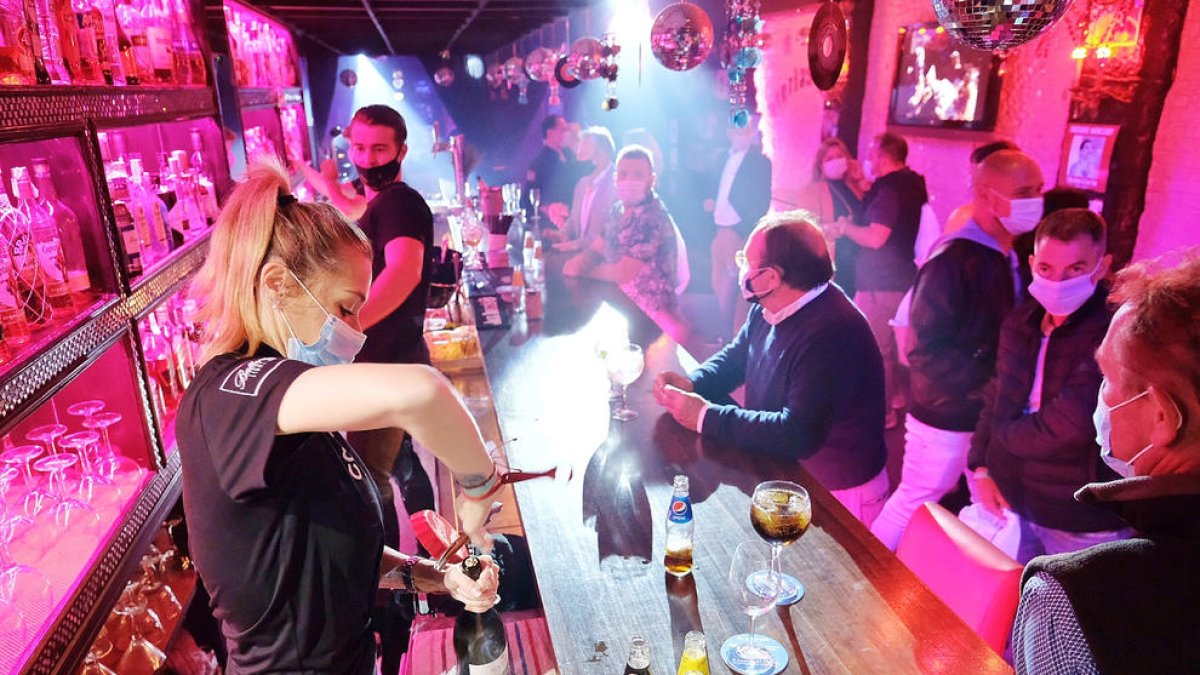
(379, 177)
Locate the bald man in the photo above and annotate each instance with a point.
(812, 370)
(960, 298)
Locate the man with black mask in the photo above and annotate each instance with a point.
(400, 226)
(812, 371)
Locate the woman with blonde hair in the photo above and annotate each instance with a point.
(835, 192)
(284, 520)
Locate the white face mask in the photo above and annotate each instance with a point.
(632, 192)
(1102, 419)
(835, 169)
(337, 344)
(1063, 298)
(1024, 214)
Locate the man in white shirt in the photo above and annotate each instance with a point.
(743, 196)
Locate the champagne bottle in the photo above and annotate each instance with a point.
(479, 639)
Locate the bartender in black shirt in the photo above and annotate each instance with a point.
(399, 225)
(284, 522)
(554, 170)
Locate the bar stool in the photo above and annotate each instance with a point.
(973, 577)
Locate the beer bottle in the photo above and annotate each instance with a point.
(479, 639)
(680, 530)
(639, 657)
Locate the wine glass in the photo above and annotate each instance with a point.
(624, 364)
(472, 234)
(535, 200)
(85, 409)
(780, 512)
(756, 585)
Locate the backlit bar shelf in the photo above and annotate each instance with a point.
(26, 107)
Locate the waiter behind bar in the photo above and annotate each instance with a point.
(285, 527)
(400, 226)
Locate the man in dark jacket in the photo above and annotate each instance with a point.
(1130, 606)
(885, 268)
(813, 374)
(743, 196)
(1035, 443)
(960, 298)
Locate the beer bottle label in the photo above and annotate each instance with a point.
(681, 510)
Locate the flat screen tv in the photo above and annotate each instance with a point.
(942, 83)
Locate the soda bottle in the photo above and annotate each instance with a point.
(639, 657)
(695, 654)
(680, 530)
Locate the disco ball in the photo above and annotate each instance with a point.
(444, 77)
(514, 72)
(539, 64)
(495, 75)
(682, 36)
(996, 25)
(587, 55)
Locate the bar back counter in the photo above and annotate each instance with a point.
(597, 539)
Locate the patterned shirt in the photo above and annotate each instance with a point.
(1046, 635)
(647, 234)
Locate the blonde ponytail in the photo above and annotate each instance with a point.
(255, 228)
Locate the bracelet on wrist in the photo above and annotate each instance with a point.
(482, 489)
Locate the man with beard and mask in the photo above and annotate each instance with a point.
(1035, 445)
(960, 298)
(812, 371)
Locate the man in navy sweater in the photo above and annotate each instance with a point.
(812, 370)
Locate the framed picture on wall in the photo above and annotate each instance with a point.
(941, 83)
(1087, 151)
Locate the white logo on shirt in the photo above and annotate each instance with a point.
(247, 379)
(351, 465)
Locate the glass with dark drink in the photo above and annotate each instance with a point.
(780, 512)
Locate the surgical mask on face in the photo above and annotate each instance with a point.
(379, 177)
(1062, 298)
(632, 192)
(1023, 216)
(337, 344)
(835, 169)
(745, 278)
(1102, 419)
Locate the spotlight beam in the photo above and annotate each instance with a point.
(375, 20)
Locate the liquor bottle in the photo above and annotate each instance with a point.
(191, 195)
(680, 530)
(198, 73)
(16, 58)
(118, 180)
(129, 237)
(46, 25)
(205, 177)
(518, 291)
(33, 37)
(46, 244)
(13, 326)
(18, 232)
(89, 37)
(74, 254)
(108, 43)
(639, 657)
(157, 21)
(136, 60)
(479, 639)
(179, 45)
(149, 213)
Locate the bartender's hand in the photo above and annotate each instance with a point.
(557, 213)
(476, 596)
(984, 491)
(472, 515)
(684, 406)
(672, 378)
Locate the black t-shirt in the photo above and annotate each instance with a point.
(285, 531)
(895, 200)
(398, 211)
(554, 175)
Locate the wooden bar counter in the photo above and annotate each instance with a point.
(597, 539)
